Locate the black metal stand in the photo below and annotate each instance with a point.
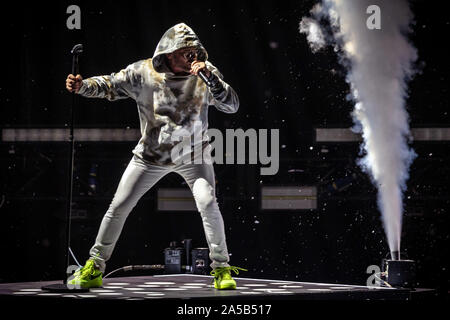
(76, 51)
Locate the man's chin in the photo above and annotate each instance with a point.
(183, 73)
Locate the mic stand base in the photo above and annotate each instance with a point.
(63, 288)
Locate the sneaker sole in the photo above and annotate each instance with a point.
(226, 287)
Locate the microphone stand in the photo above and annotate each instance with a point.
(76, 51)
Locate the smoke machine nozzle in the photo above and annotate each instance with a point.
(395, 255)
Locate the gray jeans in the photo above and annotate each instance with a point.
(137, 179)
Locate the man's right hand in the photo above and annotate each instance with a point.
(73, 84)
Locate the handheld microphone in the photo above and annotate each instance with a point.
(199, 56)
(203, 76)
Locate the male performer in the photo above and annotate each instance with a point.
(170, 98)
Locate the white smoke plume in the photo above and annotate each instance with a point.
(380, 64)
(314, 33)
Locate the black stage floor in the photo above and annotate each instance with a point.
(197, 287)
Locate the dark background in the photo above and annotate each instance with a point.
(281, 84)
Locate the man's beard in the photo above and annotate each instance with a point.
(184, 71)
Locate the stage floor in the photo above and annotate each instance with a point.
(197, 287)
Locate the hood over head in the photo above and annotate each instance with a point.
(177, 37)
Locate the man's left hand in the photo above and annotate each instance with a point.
(198, 66)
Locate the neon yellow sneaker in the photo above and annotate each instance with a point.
(87, 277)
(223, 279)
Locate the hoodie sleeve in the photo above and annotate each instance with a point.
(120, 85)
(222, 95)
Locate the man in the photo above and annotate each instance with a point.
(170, 98)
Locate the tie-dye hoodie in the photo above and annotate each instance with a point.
(168, 104)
